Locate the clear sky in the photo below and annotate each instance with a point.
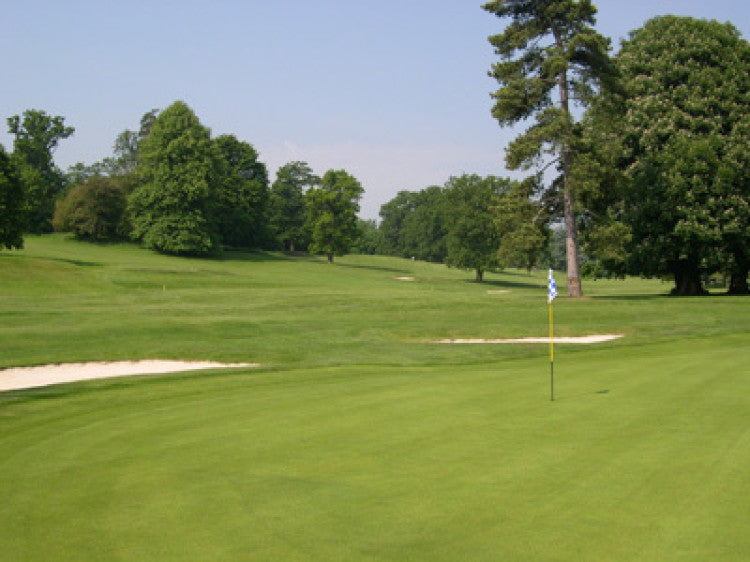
(394, 91)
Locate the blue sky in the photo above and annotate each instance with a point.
(394, 91)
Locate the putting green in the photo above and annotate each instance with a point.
(639, 458)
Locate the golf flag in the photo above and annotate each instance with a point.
(551, 288)
(551, 294)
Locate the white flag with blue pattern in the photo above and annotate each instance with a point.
(551, 288)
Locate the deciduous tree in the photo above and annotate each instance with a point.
(597, 172)
(473, 238)
(79, 172)
(332, 213)
(94, 210)
(393, 215)
(414, 224)
(521, 225)
(686, 133)
(126, 147)
(287, 212)
(11, 204)
(241, 194)
(172, 211)
(368, 238)
(36, 137)
(425, 229)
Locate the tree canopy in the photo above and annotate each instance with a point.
(521, 225)
(172, 210)
(11, 204)
(473, 238)
(332, 213)
(287, 211)
(415, 224)
(95, 209)
(36, 137)
(686, 151)
(241, 194)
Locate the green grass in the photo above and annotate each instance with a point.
(359, 439)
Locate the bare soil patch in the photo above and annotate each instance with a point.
(30, 377)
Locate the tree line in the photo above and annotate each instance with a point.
(640, 159)
(173, 188)
(472, 222)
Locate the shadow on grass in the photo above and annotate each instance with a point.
(259, 256)
(630, 297)
(530, 284)
(665, 296)
(79, 263)
(514, 273)
(374, 268)
(49, 392)
(562, 396)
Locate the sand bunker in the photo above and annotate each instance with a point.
(577, 339)
(405, 278)
(30, 377)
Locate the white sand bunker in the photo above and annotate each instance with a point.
(576, 339)
(405, 278)
(30, 377)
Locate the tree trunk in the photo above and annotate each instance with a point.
(687, 281)
(329, 255)
(738, 283)
(480, 276)
(571, 238)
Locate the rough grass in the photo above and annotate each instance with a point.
(358, 440)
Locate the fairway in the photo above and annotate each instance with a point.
(358, 437)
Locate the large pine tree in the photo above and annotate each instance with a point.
(548, 46)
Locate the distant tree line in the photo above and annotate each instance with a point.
(467, 223)
(173, 188)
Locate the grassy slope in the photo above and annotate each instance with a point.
(359, 440)
(63, 301)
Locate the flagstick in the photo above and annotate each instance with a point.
(551, 357)
(551, 294)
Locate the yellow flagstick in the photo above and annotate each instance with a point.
(551, 294)
(551, 357)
